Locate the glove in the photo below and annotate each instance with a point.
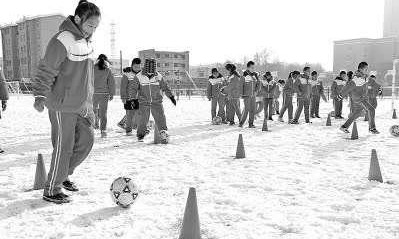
(209, 99)
(111, 97)
(339, 97)
(135, 104)
(4, 105)
(172, 98)
(128, 105)
(39, 104)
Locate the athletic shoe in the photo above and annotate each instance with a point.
(224, 122)
(374, 131)
(318, 117)
(129, 133)
(280, 119)
(294, 121)
(312, 116)
(63, 195)
(232, 123)
(58, 198)
(140, 138)
(240, 125)
(343, 129)
(70, 186)
(147, 132)
(252, 126)
(277, 113)
(103, 134)
(121, 125)
(270, 118)
(308, 122)
(1, 151)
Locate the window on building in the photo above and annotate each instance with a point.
(176, 56)
(158, 64)
(183, 57)
(157, 55)
(166, 55)
(166, 64)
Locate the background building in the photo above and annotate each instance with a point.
(24, 44)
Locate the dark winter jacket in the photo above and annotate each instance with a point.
(104, 82)
(373, 89)
(65, 75)
(337, 86)
(233, 90)
(288, 89)
(303, 87)
(268, 88)
(126, 80)
(148, 90)
(277, 91)
(3, 88)
(357, 87)
(317, 88)
(215, 84)
(250, 84)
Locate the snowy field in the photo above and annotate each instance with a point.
(298, 181)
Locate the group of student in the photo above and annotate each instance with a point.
(262, 91)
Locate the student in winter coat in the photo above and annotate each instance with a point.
(277, 94)
(359, 87)
(303, 89)
(250, 88)
(233, 91)
(350, 77)
(288, 92)
(3, 96)
(215, 84)
(317, 93)
(145, 94)
(373, 90)
(268, 88)
(127, 79)
(336, 88)
(104, 91)
(65, 85)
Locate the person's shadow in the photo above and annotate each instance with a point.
(18, 207)
(87, 219)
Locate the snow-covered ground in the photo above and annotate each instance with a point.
(298, 181)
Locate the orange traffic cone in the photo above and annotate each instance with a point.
(41, 175)
(394, 114)
(354, 132)
(264, 127)
(240, 153)
(328, 123)
(191, 226)
(157, 136)
(374, 172)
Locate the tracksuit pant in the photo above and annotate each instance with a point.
(357, 111)
(221, 103)
(287, 104)
(72, 137)
(315, 105)
(373, 102)
(100, 106)
(259, 106)
(337, 107)
(131, 120)
(303, 104)
(276, 106)
(249, 108)
(233, 108)
(157, 111)
(268, 107)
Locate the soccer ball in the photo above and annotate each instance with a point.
(124, 191)
(217, 120)
(394, 130)
(164, 136)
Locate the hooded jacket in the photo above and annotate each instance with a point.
(357, 87)
(372, 88)
(303, 87)
(148, 89)
(234, 86)
(127, 79)
(250, 84)
(65, 74)
(3, 87)
(215, 84)
(337, 86)
(104, 82)
(268, 88)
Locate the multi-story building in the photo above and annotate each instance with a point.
(28, 43)
(11, 64)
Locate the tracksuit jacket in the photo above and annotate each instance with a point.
(3, 88)
(303, 87)
(65, 79)
(336, 88)
(288, 91)
(250, 84)
(104, 82)
(215, 85)
(126, 80)
(268, 91)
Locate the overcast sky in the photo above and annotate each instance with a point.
(218, 30)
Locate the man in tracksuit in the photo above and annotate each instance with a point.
(127, 79)
(288, 92)
(215, 84)
(65, 85)
(316, 93)
(303, 90)
(250, 88)
(267, 90)
(336, 88)
(145, 94)
(373, 90)
(233, 91)
(358, 87)
(3, 96)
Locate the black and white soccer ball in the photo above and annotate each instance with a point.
(124, 191)
(164, 136)
(217, 120)
(394, 130)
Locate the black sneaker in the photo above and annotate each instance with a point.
(140, 138)
(252, 126)
(374, 131)
(343, 129)
(58, 198)
(232, 123)
(70, 186)
(1, 151)
(312, 116)
(308, 122)
(318, 117)
(294, 121)
(240, 125)
(224, 122)
(270, 118)
(63, 195)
